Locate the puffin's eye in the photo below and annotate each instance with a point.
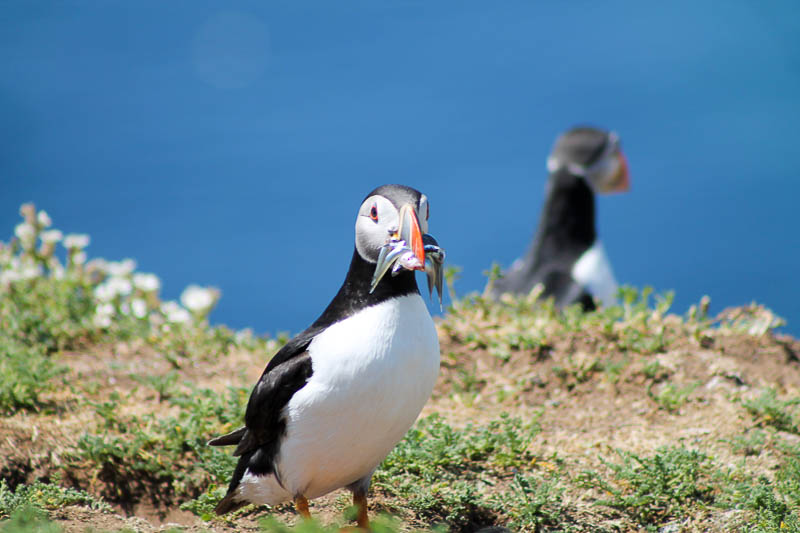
(373, 213)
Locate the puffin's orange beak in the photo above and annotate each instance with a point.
(409, 232)
(622, 181)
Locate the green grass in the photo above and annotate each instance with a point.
(27, 375)
(748, 444)
(378, 524)
(655, 371)
(769, 411)
(445, 474)
(676, 482)
(42, 496)
(433, 446)
(29, 519)
(787, 478)
(168, 453)
(672, 397)
(653, 490)
(53, 314)
(768, 508)
(533, 502)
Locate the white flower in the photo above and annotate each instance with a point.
(21, 271)
(175, 313)
(146, 282)
(51, 236)
(110, 289)
(104, 292)
(79, 258)
(120, 286)
(28, 212)
(139, 307)
(102, 321)
(26, 234)
(122, 268)
(97, 265)
(102, 315)
(199, 299)
(243, 336)
(76, 241)
(9, 276)
(44, 219)
(31, 271)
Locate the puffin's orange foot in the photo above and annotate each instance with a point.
(362, 519)
(301, 504)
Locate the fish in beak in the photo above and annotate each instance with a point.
(407, 248)
(434, 267)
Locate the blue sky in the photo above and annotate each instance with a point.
(231, 144)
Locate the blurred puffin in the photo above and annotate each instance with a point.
(566, 256)
(334, 401)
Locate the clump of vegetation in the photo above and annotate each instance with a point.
(380, 524)
(442, 471)
(676, 482)
(653, 490)
(55, 299)
(771, 510)
(534, 501)
(768, 410)
(670, 396)
(749, 443)
(43, 496)
(29, 519)
(162, 455)
(26, 374)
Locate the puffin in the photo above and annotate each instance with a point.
(333, 402)
(566, 256)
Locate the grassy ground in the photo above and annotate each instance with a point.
(626, 419)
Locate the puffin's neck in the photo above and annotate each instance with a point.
(354, 294)
(567, 225)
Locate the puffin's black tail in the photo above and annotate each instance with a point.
(229, 439)
(229, 503)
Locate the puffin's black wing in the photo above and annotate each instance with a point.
(558, 284)
(257, 443)
(286, 373)
(518, 279)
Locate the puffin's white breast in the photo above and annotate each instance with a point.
(593, 271)
(372, 374)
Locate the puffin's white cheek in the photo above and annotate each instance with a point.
(367, 239)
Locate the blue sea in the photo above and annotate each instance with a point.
(231, 144)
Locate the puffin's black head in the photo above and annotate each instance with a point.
(392, 212)
(392, 233)
(593, 154)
